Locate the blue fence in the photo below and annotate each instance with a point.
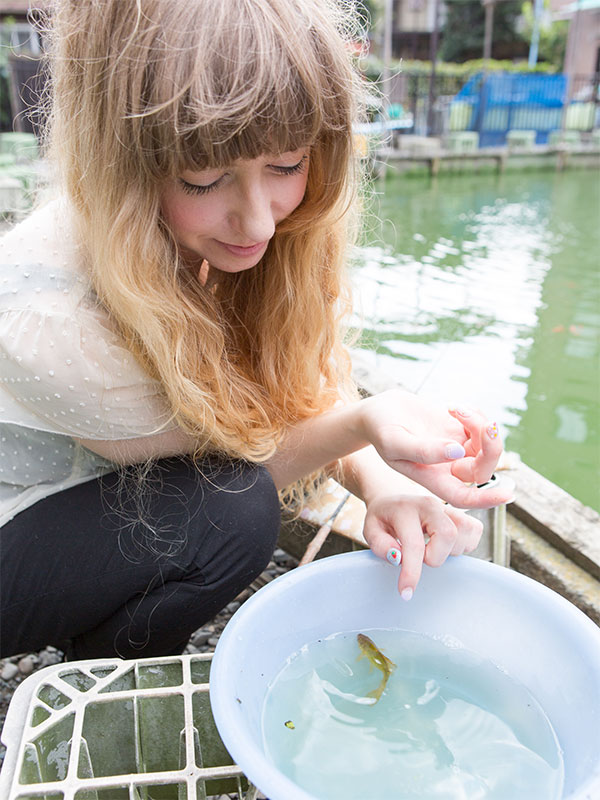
(495, 103)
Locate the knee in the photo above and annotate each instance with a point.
(243, 515)
(252, 513)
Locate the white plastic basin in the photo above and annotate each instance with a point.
(536, 635)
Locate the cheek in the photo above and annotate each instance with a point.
(295, 194)
(176, 212)
(182, 214)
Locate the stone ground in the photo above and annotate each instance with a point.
(15, 669)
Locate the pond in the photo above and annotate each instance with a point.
(484, 289)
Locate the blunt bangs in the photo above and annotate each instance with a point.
(280, 126)
(265, 80)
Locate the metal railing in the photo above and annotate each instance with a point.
(495, 103)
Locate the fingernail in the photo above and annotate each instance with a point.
(406, 594)
(394, 556)
(455, 450)
(492, 431)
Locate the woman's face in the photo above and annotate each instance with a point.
(228, 216)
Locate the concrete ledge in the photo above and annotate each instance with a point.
(557, 518)
(558, 157)
(533, 556)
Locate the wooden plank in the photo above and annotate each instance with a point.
(296, 535)
(535, 557)
(348, 522)
(556, 516)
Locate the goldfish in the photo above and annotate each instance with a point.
(369, 649)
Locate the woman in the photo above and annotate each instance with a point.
(171, 330)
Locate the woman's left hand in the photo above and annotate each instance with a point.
(410, 531)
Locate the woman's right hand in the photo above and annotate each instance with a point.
(450, 453)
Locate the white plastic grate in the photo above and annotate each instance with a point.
(117, 730)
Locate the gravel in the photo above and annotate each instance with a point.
(15, 669)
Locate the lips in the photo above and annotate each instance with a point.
(237, 250)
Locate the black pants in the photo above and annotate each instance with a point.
(130, 567)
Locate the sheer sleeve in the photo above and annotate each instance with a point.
(70, 374)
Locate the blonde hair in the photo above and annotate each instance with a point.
(145, 89)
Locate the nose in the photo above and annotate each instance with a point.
(254, 218)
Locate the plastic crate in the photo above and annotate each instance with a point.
(520, 138)
(117, 730)
(462, 141)
(568, 138)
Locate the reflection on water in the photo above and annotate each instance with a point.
(485, 289)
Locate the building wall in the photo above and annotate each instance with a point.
(583, 43)
(414, 16)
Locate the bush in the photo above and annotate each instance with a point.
(373, 67)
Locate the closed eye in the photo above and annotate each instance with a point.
(196, 189)
(299, 167)
(201, 189)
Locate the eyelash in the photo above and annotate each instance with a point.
(192, 188)
(195, 189)
(299, 167)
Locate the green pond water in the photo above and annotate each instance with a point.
(484, 289)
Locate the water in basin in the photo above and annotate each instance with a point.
(449, 724)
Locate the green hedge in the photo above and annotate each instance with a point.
(373, 67)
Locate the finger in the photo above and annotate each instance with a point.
(405, 446)
(469, 530)
(472, 534)
(413, 551)
(464, 470)
(402, 526)
(481, 468)
(385, 546)
(441, 482)
(463, 496)
(491, 450)
(471, 420)
(442, 534)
